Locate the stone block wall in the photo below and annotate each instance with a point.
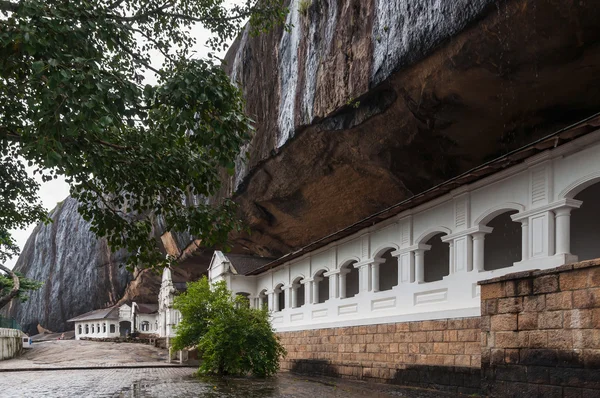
(442, 354)
(541, 333)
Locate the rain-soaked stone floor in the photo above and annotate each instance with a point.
(181, 383)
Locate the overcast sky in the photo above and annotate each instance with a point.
(57, 190)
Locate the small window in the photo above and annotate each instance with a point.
(104, 328)
(145, 326)
(80, 329)
(87, 328)
(112, 328)
(93, 328)
(98, 328)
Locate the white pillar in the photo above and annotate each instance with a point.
(271, 295)
(253, 302)
(276, 300)
(375, 277)
(452, 262)
(399, 259)
(563, 230)
(420, 265)
(294, 291)
(342, 282)
(478, 251)
(307, 293)
(288, 291)
(333, 285)
(524, 239)
(363, 278)
(315, 289)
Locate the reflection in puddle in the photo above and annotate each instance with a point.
(281, 386)
(204, 387)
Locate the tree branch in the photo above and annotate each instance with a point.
(160, 12)
(204, 20)
(138, 16)
(4, 300)
(138, 58)
(115, 146)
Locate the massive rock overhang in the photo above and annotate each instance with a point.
(513, 158)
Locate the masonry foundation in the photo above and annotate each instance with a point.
(538, 336)
(541, 333)
(442, 354)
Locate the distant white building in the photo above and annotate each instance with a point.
(159, 319)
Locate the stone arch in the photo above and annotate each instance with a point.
(321, 285)
(263, 299)
(495, 211)
(297, 291)
(384, 248)
(584, 234)
(436, 261)
(579, 185)
(279, 298)
(502, 246)
(321, 270)
(431, 232)
(387, 269)
(347, 260)
(349, 285)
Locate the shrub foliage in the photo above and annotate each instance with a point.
(232, 338)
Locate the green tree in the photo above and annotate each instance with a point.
(231, 337)
(73, 104)
(22, 287)
(12, 285)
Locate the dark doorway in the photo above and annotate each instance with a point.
(124, 328)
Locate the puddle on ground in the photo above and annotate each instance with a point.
(277, 387)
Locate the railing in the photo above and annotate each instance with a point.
(9, 323)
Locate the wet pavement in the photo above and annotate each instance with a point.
(181, 383)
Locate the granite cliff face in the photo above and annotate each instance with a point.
(365, 103)
(360, 105)
(78, 270)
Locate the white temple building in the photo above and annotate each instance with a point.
(421, 259)
(535, 208)
(158, 319)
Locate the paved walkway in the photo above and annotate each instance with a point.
(74, 354)
(77, 369)
(180, 383)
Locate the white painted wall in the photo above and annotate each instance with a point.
(542, 191)
(98, 333)
(11, 343)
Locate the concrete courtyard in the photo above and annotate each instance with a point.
(59, 354)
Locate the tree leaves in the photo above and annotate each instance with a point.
(140, 159)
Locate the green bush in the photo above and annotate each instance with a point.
(232, 338)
